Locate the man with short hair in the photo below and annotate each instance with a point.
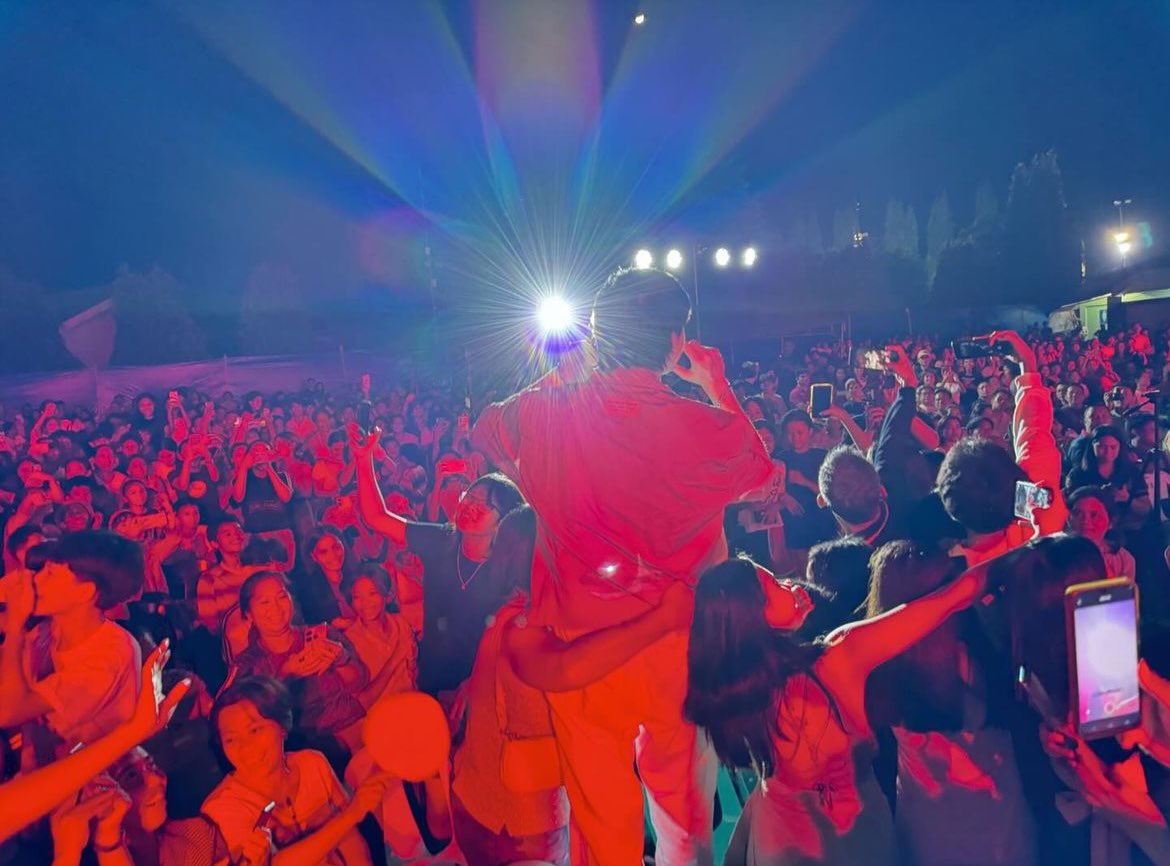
(85, 668)
(629, 482)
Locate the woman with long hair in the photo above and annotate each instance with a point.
(796, 713)
(1106, 465)
(328, 563)
(947, 701)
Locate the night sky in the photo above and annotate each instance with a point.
(543, 137)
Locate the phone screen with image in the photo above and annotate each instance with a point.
(1104, 657)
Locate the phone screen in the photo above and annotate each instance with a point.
(820, 398)
(1105, 658)
(871, 359)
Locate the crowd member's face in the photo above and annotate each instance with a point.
(753, 411)
(983, 429)
(929, 379)
(768, 385)
(368, 601)
(1002, 401)
(271, 609)
(1144, 436)
(76, 519)
(802, 380)
(25, 470)
(230, 538)
(854, 391)
(787, 605)
(473, 515)
(1098, 416)
(137, 468)
(1106, 449)
(256, 404)
(329, 553)
(58, 590)
(76, 469)
(1089, 518)
(136, 495)
(250, 741)
(298, 410)
(198, 489)
(348, 416)
(981, 390)
(952, 431)
(768, 439)
(397, 425)
(146, 408)
(324, 423)
(140, 777)
(188, 519)
(799, 436)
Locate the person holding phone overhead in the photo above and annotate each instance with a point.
(629, 482)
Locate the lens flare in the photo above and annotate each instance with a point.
(554, 316)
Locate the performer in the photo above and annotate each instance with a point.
(629, 482)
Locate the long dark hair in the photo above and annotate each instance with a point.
(511, 556)
(1033, 580)
(738, 666)
(922, 688)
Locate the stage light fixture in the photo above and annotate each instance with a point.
(749, 257)
(722, 257)
(674, 260)
(643, 259)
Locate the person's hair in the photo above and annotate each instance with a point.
(738, 666)
(349, 563)
(372, 572)
(837, 570)
(922, 688)
(113, 564)
(228, 520)
(850, 485)
(1090, 492)
(511, 556)
(502, 495)
(635, 315)
(1033, 579)
(249, 587)
(1089, 457)
(260, 551)
(977, 485)
(269, 696)
(792, 416)
(1138, 421)
(21, 535)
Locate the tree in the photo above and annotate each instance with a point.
(274, 317)
(1040, 247)
(154, 324)
(901, 230)
(940, 230)
(986, 203)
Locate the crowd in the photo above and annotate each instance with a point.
(815, 572)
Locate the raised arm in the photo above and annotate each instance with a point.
(544, 661)
(370, 501)
(31, 796)
(862, 646)
(862, 439)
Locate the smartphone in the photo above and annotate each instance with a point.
(871, 359)
(980, 347)
(1102, 622)
(820, 398)
(1029, 498)
(265, 816)
(314, 633)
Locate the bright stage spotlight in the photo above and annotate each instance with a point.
(554, 316)
(673, 260)
(722, 257)
(643, 259)
(749, 257)
(640, 18)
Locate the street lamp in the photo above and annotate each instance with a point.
(1121, 236)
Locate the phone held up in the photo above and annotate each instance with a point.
(1031, 497)
(980, 347)
(1102, 622)
(871, 359)
(820, 398)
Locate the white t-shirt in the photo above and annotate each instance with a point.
(93, 686)
(235, 808)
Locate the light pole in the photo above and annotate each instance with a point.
(1121, 237)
